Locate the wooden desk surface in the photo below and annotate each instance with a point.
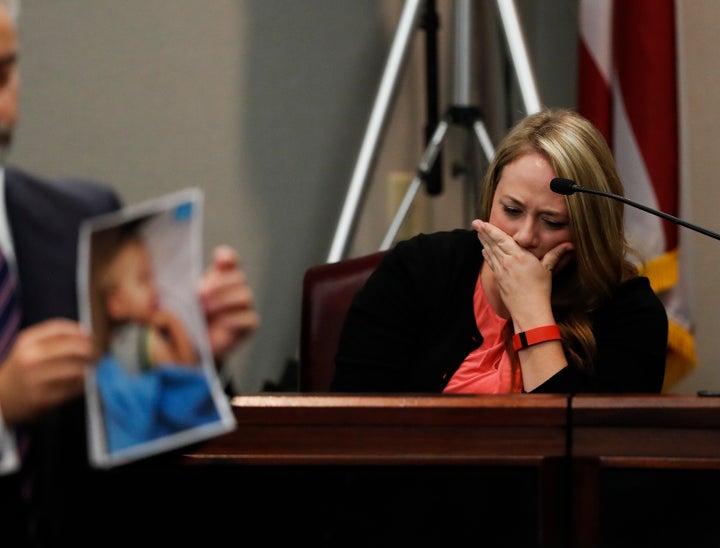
(312, 429)
(663, 431)
(621, 430)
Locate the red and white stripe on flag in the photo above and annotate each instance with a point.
(628, 87)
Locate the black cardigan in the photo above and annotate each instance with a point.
(412, 325)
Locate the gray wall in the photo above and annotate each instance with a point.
(260, 103)
(263, 104)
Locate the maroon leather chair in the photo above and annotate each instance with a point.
(328, 290)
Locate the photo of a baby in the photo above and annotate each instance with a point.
(129, 321)
(154, 388)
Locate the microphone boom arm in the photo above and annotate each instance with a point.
(650, 210)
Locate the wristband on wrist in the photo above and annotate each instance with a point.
(535, 336)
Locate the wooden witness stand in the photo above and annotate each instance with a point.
(400, 443)
(429, 470)
(560, 447)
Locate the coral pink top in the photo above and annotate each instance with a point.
(488, 369)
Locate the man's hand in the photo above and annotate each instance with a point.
(227, 301)
(45, 368)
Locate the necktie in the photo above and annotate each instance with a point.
(9, 327)
(9, 308)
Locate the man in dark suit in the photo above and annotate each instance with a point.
(42, 375)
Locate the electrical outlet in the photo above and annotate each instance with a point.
(417, 217)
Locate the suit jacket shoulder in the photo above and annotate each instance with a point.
(44, 217)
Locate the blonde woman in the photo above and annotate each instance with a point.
(541, 295)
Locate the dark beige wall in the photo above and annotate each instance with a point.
(700, 111)
(259, 103)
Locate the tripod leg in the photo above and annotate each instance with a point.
(376, 124)
(518, 53)
(426, 163)
(484, 138)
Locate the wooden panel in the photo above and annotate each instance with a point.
(620, 441)
(647, 431)
(665, 411)
(390, 430)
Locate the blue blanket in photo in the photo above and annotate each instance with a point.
(140, 407)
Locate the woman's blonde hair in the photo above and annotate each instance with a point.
(576, 150)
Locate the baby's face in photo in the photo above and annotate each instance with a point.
(134, 295)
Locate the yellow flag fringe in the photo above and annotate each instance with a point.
(663, 272)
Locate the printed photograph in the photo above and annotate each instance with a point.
(155, 386)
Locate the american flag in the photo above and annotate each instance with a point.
(628, 87)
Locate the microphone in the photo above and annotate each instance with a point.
(568, 187)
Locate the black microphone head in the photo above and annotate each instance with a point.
(563, 186)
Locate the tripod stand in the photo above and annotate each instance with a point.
(461, 112)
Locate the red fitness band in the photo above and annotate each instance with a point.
(536, 336)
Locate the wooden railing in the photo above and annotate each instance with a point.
(560, 451)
